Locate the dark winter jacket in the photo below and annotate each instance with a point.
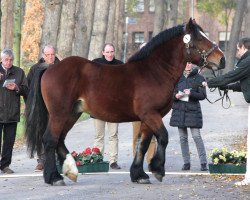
(40, 65)
(10, 99)
(241, 73)
(104, 61)
(188, 113)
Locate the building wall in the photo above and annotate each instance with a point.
(145, 23)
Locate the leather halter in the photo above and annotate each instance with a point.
(203, 53)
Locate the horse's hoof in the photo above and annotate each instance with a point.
(72, 177)
(58, 183)
(158, 177)
(143, 181)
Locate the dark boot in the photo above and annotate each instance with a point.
(186, 166)
(204, 167)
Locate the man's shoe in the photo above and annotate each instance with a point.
(204, 167)
(39, 167)
(186, 166)
(7, 170)
(114, 165)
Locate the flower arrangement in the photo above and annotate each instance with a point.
(223, 156)
(89, 155)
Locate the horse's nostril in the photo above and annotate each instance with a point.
(222, 63)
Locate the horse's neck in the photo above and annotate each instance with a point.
(167, 62)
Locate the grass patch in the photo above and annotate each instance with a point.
(20, 129)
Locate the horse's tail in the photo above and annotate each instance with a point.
(36, 115)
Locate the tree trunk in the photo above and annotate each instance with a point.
(99, 28)
(7, 20)
(83, 28)
(173, 12)
(118, 29)
(51, 22)
(111, 22)
(247, 20)
(66, 29)
(17, 31)
(159, 16)
(235, 32)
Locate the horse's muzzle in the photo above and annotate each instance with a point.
(222, 63)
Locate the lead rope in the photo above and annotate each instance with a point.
(222, 97)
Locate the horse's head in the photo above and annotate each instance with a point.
(200, 50)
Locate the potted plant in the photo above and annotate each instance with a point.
(224, 161)
(90, 160)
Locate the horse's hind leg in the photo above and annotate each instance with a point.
(137, 173)
(50, 173)
(64, 157)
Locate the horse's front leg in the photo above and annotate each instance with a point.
(157, 164)
(137, 173)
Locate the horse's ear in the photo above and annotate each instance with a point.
(190, 25)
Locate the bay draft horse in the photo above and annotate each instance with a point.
(139, 90)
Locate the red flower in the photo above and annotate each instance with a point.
(74, 154)
(96, 150)
(78, 163)
(87, 151)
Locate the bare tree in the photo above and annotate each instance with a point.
(235, 32)
(66, 29)
(83, 27)
(247, 20)
(7, 20)
(51, 22)
(80, 26)
(118, 28)
(159, 17)
(99, 28)
(172, 10)
(17, 32)
(111, 21)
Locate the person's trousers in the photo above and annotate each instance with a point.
(183, 133)
(113, 138)
(152, 146)
(8, 131)
(41, 156)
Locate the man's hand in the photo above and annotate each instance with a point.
(12, 86)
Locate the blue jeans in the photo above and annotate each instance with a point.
(183, 133)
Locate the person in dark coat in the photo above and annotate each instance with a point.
(238, 80)
(13, 84)
(48, 58)
(186, 113)
(108, 57)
